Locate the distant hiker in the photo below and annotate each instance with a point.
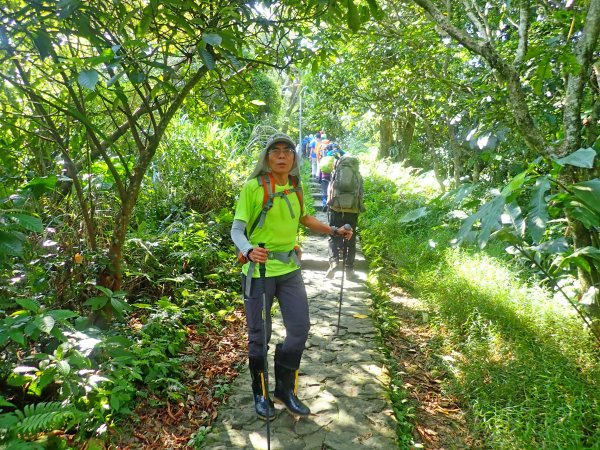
(320, 151)
(314, 168)
(331, 153)
(345, 202)
(268, 211)
(305, 148)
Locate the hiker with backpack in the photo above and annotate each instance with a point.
(345, 203)
(331, 153)
(267, 214)
(313, 146)
(305, 148)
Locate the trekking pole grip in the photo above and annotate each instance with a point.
(347, 227)
(262, 267)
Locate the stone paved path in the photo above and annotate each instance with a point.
(342, 377)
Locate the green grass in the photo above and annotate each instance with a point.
(523, 367)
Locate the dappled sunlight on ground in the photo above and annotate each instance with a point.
(439, 421)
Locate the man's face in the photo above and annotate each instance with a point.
(281, 158)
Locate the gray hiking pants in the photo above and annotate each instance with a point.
(291, 294)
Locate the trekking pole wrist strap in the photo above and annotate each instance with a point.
(333, 230)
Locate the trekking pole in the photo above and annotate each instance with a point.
(344, 254)
(263, 271)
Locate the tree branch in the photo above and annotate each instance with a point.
(523, 32)
(530, 132)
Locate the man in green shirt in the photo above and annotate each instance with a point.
(276, 226)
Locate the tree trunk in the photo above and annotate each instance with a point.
(438, 166)
(386, 138)
(406, 131)
(438, 171)
(455, 151)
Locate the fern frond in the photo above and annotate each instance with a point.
(45, 416)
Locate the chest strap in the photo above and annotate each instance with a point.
(267, 181)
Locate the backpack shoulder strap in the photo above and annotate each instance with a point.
(268, 184)
(267, 181)
(299, 192)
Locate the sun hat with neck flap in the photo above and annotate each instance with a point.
(262, 166)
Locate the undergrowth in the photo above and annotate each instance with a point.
(522, 365)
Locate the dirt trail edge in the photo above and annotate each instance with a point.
(342, 378)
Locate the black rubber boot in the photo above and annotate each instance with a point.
(259, 389)
(286, 373)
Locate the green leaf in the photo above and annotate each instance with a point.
(62, 314)
(353, 16)
(11, 243)
(490, 218)
(538, 213)
(555, 246)
(114, 78)
(516, 218)
(40, 185)
(46, 378)
(17, 336)
(88, 79)
(4, 402)
(257, 102)
(413, 215)
(82, 26)
(28, 222)
(542, 73)
(207, 59)
(583, 215)
(489, 215)
(515, 184)
(29, 304)
(144, 24)
(578, 259)
(584, 157)
(117, 305)
(45, 323)
(588, 193)
(507, 235)
(107, 55)
(67, 7)
(63, 367)
(376, 11)
(212, 39)
(97, 302)
(136, 77)
(43, 43)
(590, 252)
(106, 291)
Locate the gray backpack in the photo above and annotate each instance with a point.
(346, 186)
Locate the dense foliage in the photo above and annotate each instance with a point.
(128, 126)
(515, 355)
